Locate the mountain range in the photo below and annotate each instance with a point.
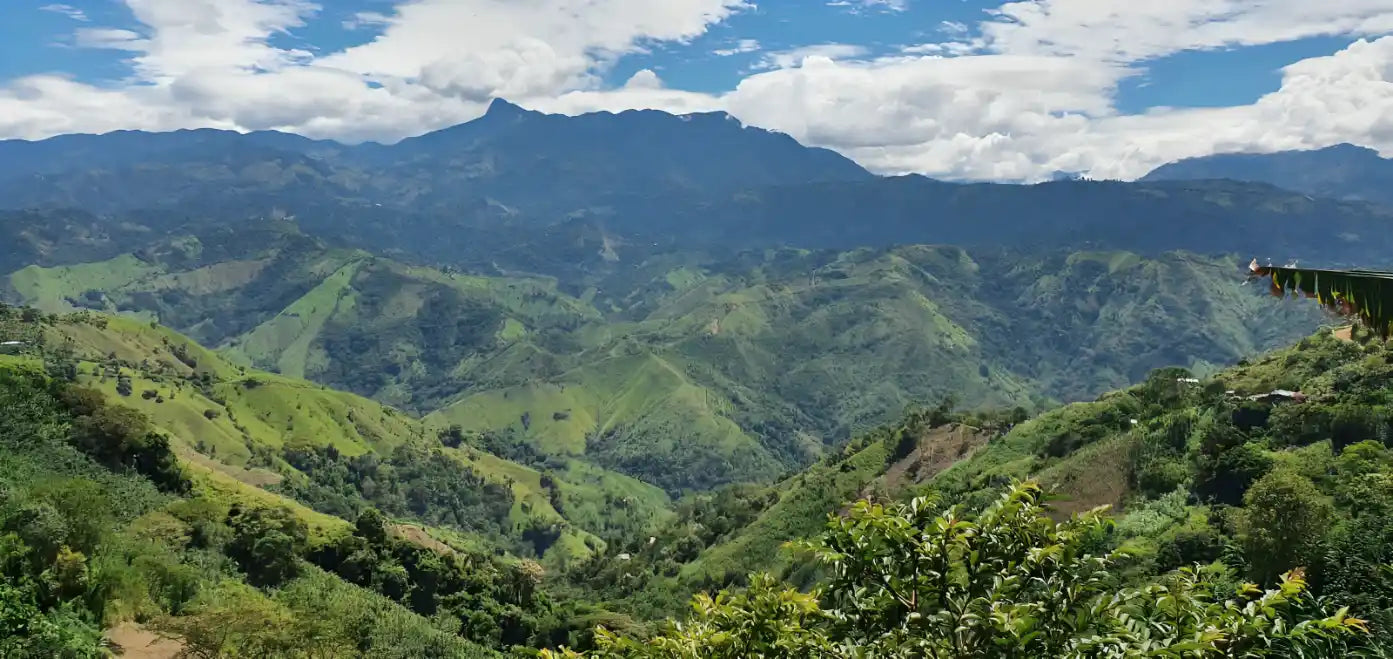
(683, 299)
(521, 190)
(1343, 171)
(683, 370)
(484, 389)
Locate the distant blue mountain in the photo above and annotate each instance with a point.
(520, 158)
(522, 189)
(1343, 171)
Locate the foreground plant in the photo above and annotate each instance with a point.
(910, 580)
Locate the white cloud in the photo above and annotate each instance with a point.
(474, 49)
(109, 38)
(741, 46)
(364, 19)
(860, 6)
(66, 10)
(1142, 29)
(792, 57)
(1027, 92)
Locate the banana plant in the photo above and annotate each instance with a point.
(1363, 295)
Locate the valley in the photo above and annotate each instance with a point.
(484, 391)
(730, 370)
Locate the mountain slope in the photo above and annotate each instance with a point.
(267, 431)
(688, 372)
(1343, 171)
(1209, 217)
(1172, 459)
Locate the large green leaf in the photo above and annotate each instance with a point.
(1364, 295)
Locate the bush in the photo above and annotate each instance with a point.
(1161, 475)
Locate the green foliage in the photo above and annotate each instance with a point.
(911, 581)
(1284, 521)
(492, 602)
(26, 632)
(123, 437)
(423, 484)
(85, 545)
(266, 543)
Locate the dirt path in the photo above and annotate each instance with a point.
(136, 642)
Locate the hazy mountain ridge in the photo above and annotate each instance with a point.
(521, 190)
(1343, 171)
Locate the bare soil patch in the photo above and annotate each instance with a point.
(417, 535)
(136, 642)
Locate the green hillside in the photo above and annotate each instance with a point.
(97, 554)
(684, 370)
(255, 428)
(1184, 468)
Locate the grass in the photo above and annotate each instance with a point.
(644, 400)
(215, 427)
(48, 288)
(286, 341)
(805, 501)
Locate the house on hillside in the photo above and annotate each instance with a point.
(11, 347)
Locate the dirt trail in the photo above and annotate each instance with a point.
(136, 642)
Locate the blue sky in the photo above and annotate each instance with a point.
(954, 88)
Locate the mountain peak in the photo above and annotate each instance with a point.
(501, 107)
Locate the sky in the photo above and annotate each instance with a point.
(957, 89)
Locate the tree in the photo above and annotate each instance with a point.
(266, 544)
(372, 526)
(1284, 522)
(908, 581)
(233, 620)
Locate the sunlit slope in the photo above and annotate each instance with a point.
(221, 414)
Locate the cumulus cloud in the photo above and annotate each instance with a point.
(783, 59)
(1139, 30)
(1026, 92)
(477, 48)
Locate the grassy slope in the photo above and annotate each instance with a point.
(287, 339)
(48, 288)
(141, 510)
(254, 408)
(647, 406)
(697, 375)
(1091, 475)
